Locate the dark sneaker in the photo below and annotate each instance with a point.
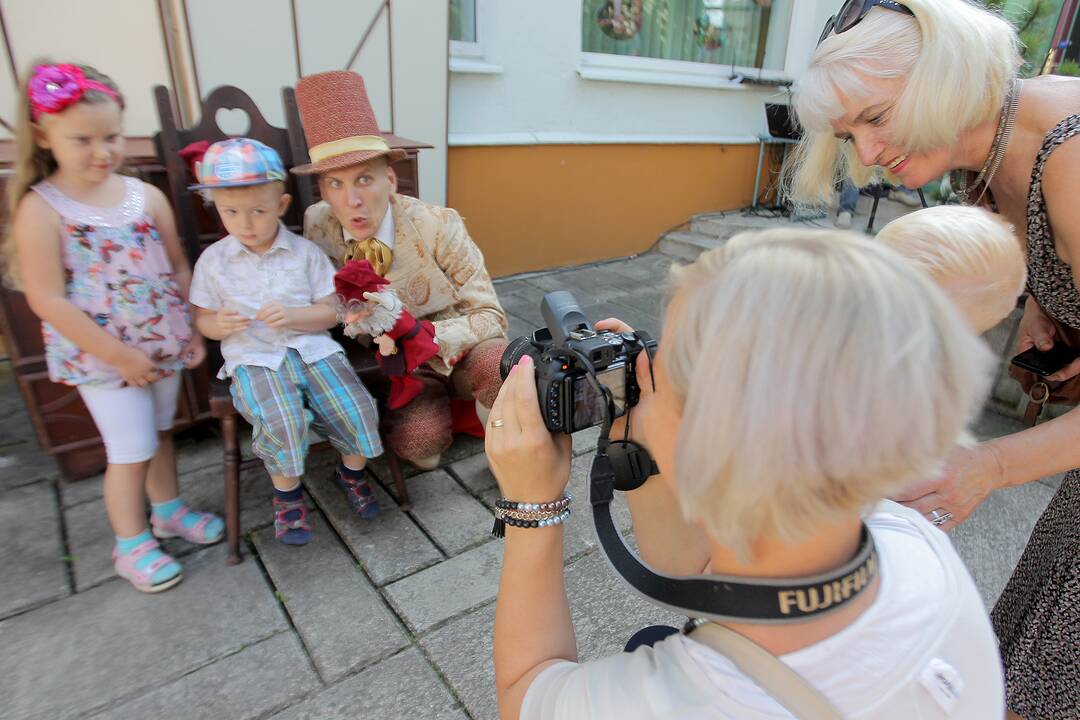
(358, 492)
(290, 522)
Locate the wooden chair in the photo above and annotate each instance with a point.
(199, 226)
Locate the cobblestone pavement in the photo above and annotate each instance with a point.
(383, 619)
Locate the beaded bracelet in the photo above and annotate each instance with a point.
(529, 515)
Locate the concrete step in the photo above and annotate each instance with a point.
(704, 234)
(710, 230)
(732, 223)
(687, 245)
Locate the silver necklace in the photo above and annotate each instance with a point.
(1006, 122)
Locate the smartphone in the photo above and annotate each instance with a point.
(1046, 363)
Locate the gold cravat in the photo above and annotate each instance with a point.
(375, 252)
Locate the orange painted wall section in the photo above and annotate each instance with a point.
(543, 206)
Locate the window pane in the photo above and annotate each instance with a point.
(746, 33)
(463, 20)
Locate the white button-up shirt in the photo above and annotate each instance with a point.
(293, 272)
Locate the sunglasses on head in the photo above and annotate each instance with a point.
(853, 11)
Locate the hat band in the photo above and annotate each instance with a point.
(327, 150)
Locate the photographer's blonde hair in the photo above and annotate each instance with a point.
(959, 59)
(33, 163)
(820, 372)
(970, 252)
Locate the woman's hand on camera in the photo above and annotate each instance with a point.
(530, 463)
(644, 381)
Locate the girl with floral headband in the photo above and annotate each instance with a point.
(98, 257)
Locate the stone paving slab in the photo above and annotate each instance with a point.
(585, 440)
(604, 612)
(90, 542)
(448, 513)
(463, 446)
(448, 589)
(390, 547)
(87, 651)
(647, 268)
(341, 619)
(474, 473)
(402, 686)
(17, 427)
(91, 539)
(518, 327)
(648, 299)
(525, 304)
(198, 451)
(579, 486)
(32, 562)
(23, 463)
(461, 650)
(593, 283)
(260, 679)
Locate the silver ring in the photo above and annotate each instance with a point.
(940, 516)
(496, 423)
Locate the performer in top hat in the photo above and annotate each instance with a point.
(424, 251)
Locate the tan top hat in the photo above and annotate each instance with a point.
(339, 123)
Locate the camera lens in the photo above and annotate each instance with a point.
(514, 351)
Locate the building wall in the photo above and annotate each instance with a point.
(93, 33)
(599, 167)
(540, 206)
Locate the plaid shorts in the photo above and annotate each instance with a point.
(325, 395)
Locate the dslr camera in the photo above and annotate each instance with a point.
(568, 354)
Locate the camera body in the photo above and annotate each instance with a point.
(569, 399)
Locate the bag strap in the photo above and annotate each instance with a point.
(1036, 401)
(783, 684)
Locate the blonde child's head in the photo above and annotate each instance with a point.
(808, 374)
(969, 252)
(68, 115)
(245, 180)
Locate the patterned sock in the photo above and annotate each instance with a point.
(165, 572)
(167, 509)
(293, 536)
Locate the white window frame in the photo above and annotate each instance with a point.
(477, 57)
(684, 73)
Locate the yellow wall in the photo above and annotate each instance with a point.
(542, 206)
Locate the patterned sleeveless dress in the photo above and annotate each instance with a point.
(117, 271)
(1037, 617)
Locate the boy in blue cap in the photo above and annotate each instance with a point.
(268, 295)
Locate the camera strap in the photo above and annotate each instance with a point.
(625, 465)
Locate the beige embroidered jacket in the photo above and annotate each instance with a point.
(438, 272)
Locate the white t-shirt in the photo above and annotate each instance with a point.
(924, 650)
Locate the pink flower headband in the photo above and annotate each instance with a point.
(53, 88)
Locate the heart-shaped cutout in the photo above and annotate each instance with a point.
(233, 122)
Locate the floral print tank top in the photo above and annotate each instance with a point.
(1050, 279)
(117, 271)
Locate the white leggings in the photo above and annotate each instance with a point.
(130, 418)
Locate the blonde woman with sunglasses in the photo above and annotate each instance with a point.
(918, 88)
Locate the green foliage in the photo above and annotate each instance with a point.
(1035, 21)
(1069, 67)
